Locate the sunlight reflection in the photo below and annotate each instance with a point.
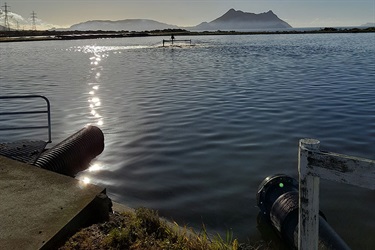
(95, 167)
(98, 55)
(86, 180)
(95, 99)
(102, 51)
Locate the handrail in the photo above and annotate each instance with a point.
(314, 164)
(176, 40)
(47, 111)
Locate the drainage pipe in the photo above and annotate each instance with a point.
(277, 199)
(73, 154)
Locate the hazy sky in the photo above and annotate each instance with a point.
(298, 13)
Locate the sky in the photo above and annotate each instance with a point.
(298, 13)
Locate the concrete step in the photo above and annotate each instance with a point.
(39, 209)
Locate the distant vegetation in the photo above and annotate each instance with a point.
(33, 35)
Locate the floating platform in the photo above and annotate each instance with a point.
(171, 41)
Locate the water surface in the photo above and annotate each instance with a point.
(192, 130)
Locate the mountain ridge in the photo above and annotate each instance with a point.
(231, 20)
(237, 19)
(119, 25)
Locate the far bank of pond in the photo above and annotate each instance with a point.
(44, 35)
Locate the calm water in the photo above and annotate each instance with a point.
(192, 131)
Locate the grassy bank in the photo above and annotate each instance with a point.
(143, 229)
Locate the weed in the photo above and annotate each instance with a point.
(143, 229)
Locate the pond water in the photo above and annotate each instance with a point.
(191, 131)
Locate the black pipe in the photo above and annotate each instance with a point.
(270, 235)
(73, 154)
(277, 199)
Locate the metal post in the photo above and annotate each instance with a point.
(308, 214)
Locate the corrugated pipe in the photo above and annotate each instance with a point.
(277, 199)
(73, 154)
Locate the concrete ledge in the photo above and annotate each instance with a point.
(120, 208)
(40, 209)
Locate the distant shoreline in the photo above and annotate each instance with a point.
(24, 36)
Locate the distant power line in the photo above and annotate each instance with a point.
(33, 18)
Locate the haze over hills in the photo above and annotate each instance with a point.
(128, 24)
(231, 20)
(368, 25)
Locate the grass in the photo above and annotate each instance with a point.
(143, 229)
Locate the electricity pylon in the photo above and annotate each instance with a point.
(6, 21)
(33, 17)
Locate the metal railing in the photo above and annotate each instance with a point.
(175, 40)
(28, 111)
(314, 164)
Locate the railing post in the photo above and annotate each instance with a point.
(308, 214)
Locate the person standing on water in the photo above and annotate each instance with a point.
(172, 38)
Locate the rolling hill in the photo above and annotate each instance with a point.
(231, 20)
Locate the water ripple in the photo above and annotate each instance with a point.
(192, 131)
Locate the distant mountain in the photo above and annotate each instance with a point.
(127, 24)
(368, 25)
(239, 20)
(232, 20)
